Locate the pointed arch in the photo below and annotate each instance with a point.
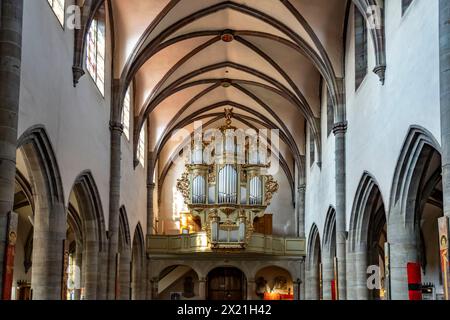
(125, 256)
(50, 214)
(368, 207)
(313, 265)
(94, 235)
(138, 265)
(367, 235)
(418, 146)
(416, 175)
(329, 233)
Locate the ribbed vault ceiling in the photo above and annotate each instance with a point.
(270, 72)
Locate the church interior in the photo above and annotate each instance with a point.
(224, 149)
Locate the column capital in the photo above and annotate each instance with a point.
(340, 128)
(301, 188)
(115, 126)
(151, 185)
(77, 72)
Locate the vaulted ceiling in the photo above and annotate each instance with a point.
(190, 59)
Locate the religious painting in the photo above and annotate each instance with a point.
(280, 284)
(443, 243)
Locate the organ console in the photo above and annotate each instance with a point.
(225, 186)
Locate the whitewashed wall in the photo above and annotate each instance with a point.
(379, 117)
(76, 119)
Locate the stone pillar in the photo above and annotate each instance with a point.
(102, 277)
(154, 286)
(48, 252)
(403, 249)
(351, 275)
(444, 54)
(360, 262)
(339, 131)
(301, 210)
(125, 274)
(327, 276)
(11, 12)
(302, 280)
(90, 268)
(297, 294)
(202, 289)
(312, 279)
(114, 205)
(150, 213)
(151, 162)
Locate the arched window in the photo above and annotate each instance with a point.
(96, 49)
(58, 8)
(361, 62)
(141, 147)
(405, 5)
(126, 114)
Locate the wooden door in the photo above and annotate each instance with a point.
(226, 284)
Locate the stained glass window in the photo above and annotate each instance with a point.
(58, 9)
(126, 115)
(141, 147)
(96, 53)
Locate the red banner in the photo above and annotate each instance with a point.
(9, 272)
(414, 281)
(9, 256)
(333, 290)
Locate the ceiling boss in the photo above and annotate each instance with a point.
(225, 185)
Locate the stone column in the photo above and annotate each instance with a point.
(116, 128)
(90, 268)
(339, 131)
(301, 192)
(11, 12)
(327, 276)
(360, 262)
(313, 279)
(154, 286)
(150, 213)
(302, 280)
(202, 289)
(351, 275)
(48, 252)
(301, 210)
(125, 274)
(296, 288)
(444, 54)
(403, 249)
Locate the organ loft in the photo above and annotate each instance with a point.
(227, 188)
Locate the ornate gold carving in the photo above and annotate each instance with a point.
(228, 115)
(229, 226)
(183, 186)
(271, 188)
(211, 175)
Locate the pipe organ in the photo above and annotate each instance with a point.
(226, 195)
